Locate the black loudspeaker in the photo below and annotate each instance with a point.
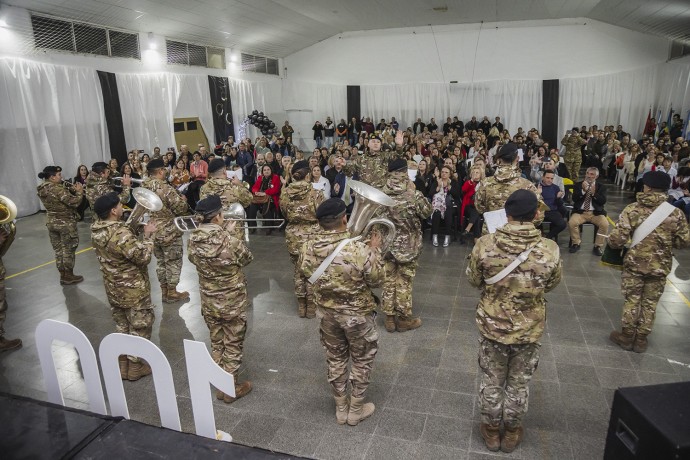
(651, 422)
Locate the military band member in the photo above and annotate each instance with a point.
(219, 257)
(229, 191)
(298, 203)
(5, 344)
(372, 166)
(346, 307)
(61, 202)
(573, 154)
(98, 184)
(168, 239)
(124, 261)
(511, 315)
(411, 207)
(648, 263)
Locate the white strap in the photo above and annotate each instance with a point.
(512, 266)
(328, 260)
(653, 221)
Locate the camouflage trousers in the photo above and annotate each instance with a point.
(227, 340)
(573, 164)
(3, 300)
(504, 387)
(136, 321)
(169, 262)
(348, 337)
(396, 296)
(302, 285)
(64, 239)
(641, 296)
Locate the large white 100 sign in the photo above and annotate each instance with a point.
(201, 371)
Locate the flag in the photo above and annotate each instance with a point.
(685, 128)
(658, 122)
(648, 122)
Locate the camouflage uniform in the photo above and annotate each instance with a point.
(511, 316)
(229, 193)
(298, 203)
(493, 192)
(573, 155)
(219, 257)
(124, 263)
(61, 206)
(168, 239)
(346, 306)
(372, 168)
(646, 265)
(3, 300)
(396, 298)
(97, 186)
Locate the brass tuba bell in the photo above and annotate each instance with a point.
(8, 212)
(367, 202)
(147, 200)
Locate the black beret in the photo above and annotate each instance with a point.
(302, 164)
(521, 202)
(154, 164)
(507, 152)
(49, 171)
(105, 203)
(331, 208)
(216, 164)
(209, 205)
(397, 165)
(375, 135)
(657, 180)
(99, 166)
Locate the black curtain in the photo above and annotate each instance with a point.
(549, 112)
(113, 116)
(222, 109)
(353, 103)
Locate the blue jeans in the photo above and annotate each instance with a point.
(318, 141)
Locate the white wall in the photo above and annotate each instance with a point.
(512, 51)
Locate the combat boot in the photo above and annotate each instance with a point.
(408, 323)
(124, 366)
(302, 307)
(7, 345)
(389, 323)
(342, 408)
(359, 410)
(138, 370)
(68, 277)
(511, 439)
(491, 435)
(176, 296)
(623, 339)
(240, 390)
(640, 344)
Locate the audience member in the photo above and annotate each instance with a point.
(589, 198)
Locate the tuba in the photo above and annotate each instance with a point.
(146, 201)
(368, 201)
(8, 212)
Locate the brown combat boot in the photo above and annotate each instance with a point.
(342, 409)
(7, 345)
(240, 390)
(176, 296)
(302, 307)
(164, 293)
(408, 323)
(359, 410)
(389, 323)
(511, 439)
(623, 339)
(124, 366)
(68, 277)
(640, 344)
(138, 370)
(491, 435)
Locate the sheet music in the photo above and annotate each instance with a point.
(236, 173)
(412, 173)
(495, 219)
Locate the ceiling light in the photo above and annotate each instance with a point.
(233, 58)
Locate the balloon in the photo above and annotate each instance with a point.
(272, 125)
(255, 112)
(264, 132)
(261, 114)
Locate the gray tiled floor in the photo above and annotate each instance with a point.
(424, 382)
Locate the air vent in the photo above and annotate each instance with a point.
(678, 50)
(258, 64)
(196, 55)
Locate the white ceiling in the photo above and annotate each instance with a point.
(278, 28)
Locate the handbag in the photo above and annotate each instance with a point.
(260, 199)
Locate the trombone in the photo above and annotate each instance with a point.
(117, 181)
(234, 212)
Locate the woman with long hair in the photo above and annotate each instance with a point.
(444, 193)
(114, 167)
(82, 174)
(319, 182)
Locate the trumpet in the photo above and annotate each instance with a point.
(369, 200)
(8, 212)
(117, 181)
(146, 201)
(69, 185)
(235, 212)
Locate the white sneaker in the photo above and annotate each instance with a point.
(434, 240)
(446, 241)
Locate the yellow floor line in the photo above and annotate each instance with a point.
(680, 294)
(43, 265)
(613, 224)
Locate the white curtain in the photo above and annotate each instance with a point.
(194, 100)
(247, 96)
(623, 98)
(673, 83)
(51, 115)
(517, 102)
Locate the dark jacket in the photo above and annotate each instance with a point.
(598, 199)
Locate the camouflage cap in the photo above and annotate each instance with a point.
(209, 205)
(521, 203)
(331, 208)
(105, 203)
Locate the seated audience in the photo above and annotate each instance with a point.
(589, 198)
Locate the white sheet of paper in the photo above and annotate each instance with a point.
(495, 219)
(236, 173)
(412, 173)
(182, 188)
(317, 185)
(521, 154)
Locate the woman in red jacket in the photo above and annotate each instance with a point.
(467, 210)
(267, 185)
